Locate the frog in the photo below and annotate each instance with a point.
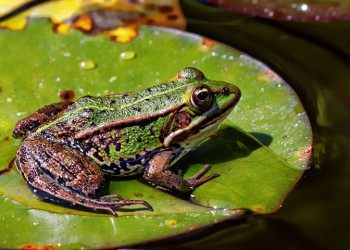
(69, 150)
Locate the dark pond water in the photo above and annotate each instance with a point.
(315, 60)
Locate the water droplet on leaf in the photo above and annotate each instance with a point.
(87, 64)
(112, 79)
(127, 55)
(67, 54)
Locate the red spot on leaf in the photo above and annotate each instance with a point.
(207, 43)
(67, 95)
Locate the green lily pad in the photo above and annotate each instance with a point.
(261, 150)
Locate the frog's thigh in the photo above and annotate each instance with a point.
(157, 172)
(33, 121)
(63, 174)
(58, 170)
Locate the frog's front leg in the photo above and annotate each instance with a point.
(64, 175)
(157, 173)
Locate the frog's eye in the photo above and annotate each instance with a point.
(201, 98)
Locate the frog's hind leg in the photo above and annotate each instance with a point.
(64, 175)
(31, 123)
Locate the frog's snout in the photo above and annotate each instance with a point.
(232, 90)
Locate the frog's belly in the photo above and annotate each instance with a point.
(125, 167)
(119, 159)
(135, 165)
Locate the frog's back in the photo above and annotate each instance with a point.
(111, 108)
(89, 115)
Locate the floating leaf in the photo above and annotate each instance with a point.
(119, 19)
(291, 10)
(259, 158)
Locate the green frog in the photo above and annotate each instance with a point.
(69, 148)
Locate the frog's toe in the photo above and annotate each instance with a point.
(111, 197)
(148, 206)
(111, 211)
(196, 180)
(123, 203)
(107, 203)
(119, 201)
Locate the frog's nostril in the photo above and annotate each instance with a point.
(225, 91)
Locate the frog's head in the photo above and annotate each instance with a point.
(207, 103)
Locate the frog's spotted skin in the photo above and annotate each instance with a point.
(69, 147)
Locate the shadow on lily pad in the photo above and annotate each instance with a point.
(228, 144)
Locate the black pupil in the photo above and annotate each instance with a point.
(202, 95)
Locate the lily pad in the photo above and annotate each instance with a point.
(289, 10)
(261, 150)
